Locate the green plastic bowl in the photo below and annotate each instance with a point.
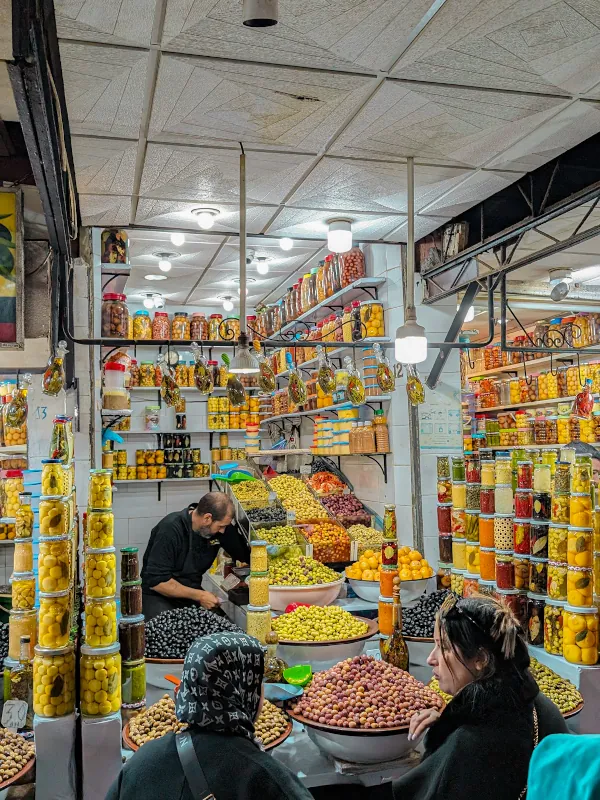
(300, 675)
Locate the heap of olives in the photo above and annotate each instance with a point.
(281, 535)
(561, 691)
(318, 624)
(170, 633)
(300, 571)
(272, 513)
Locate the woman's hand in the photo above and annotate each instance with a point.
(421, 721)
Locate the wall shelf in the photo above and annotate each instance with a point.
(335, 352)
(515, 406)
(379, 398)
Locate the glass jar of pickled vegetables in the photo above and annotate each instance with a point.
(161, 327)
(535, 618)
(133, 682)
(458, 469)
(100, 571)
(54, 682)
(371, 316)
(523, 504)
(12, 487)
(525, 475)
(521, 536)
(503, 470)
(24, 517)
(55, 619)
(581, 510)
(100, 621)
(100, 527)
(580, 582)
(538, 575)
(52, 477)
(596, 527)
(214, 324)
(147, 374)
(198, 327)
(180, 327)
(581, 478)
(115, 316)
(100, 680)
(488, 473)
(472, 557)
(472, 526)
(459, 494)
(23, 556)
(561, 506)
(23, 590)
(580, 635)
(55, 563)
(457, 580)
(505, 570)
(580, 547)
(521, 567)
(142, 326)
(557, 543)
(459, 553)
(542, 478)
(100, 489)
(562, 477)
(53, 516)
(503, 498)
(557, 581)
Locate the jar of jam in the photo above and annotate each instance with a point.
(516, 601)
(535, 623)
(459, 494)
(445, 549)
(487, 500)
(487, 563)
(542, 505)
(539, 539)
(131, 598)
(524, 475)
(486, 530)
(459, 553)
(505, 570)
(521, 534)
(538, 575)
(523, 504)
(444, 517)
(130, 567)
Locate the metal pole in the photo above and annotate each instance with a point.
(242, 241)
(409, 297)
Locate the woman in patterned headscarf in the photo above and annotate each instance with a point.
(219, 697)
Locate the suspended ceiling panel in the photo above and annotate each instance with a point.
(171, 214)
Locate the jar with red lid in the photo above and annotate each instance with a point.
(516, 601)
(487, 563)
(505, 570)
(161, 327)
(473, 470)
(115, 316)
(524, 475)
(523, 503)
(444, 490)
(486, 500)
(445, 548)
(521, 532)
(198, 327)
(535, 618)
(444, 516)
(486, 530)
(539, 538)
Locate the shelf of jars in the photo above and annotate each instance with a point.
(381, 398)
(534, 403)
(191, 432)
(335, 352)
(162, 480)
(187, 389)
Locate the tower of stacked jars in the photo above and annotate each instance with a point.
(100, 668)
(54, 661)
(258, 618)
(389, 570)
(444, 519)
(132, 635)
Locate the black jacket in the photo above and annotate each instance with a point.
(481, 745)
(235, 769)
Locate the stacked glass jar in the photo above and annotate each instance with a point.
(258, 618)
(100, 665)
(132, 635)
(444, 511)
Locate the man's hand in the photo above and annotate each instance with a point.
(207, 599)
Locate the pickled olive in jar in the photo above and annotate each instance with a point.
(100, 489)
(444, 517)
(132, 637)
(55, 563)
(580, 635)
(581, 510)
(535, 623)
(55, 619)
(258, 622)
(23, 590)
(488, 473)
(100, 572)
(542, 478)
(538, 575)
(487, 563)
(503, 499)
(100, 622)
(458, 469)
(523, 504)
(579, 547)
(443, 467)
(580, 582)
(445, 549)
(487, 500)
(472, 526)
(459, 495)
(130, 566)
(542, 505)
(521, 536)
(557, 581)
(444, 491)
(503, 473)
(503, 532)
(100, 527)
(521, 566)
(473, 496)
(505, 570)
(458, 522)
(457, 579)
(142, 327)
(100, 680)
(52, 478)
(259, 588)
(525, 475)
(131, 598)
(557, 543)
(258, 559)
(54, 682)
(459, 553)
(23, 560)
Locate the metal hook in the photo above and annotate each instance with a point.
(527, 380)
(552, 372)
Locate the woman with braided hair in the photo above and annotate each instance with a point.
(481, 743)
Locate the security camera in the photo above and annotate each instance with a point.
(260, 13)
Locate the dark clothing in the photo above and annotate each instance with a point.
(481, 745)
(235, 769)
(175, 551)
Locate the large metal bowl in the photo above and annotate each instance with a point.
(366, 590)
(322, 594)
(410, 591)
(323, 655)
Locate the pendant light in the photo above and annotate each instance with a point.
(339, 235)
(286, 243)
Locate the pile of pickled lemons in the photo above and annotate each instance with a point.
(411, 564)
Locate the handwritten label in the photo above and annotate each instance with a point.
(346, 490)
(14, 714)
(230, 582)
(41, 412)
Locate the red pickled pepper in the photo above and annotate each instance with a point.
(487, 500)
(523, 504)
(521, 535)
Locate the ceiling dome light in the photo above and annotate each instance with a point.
(155, 277)
(339, 235)
(149, 301)
(177, 239)
(159, 301)
(227, 304)
(244, 362)
(164, 265)
(262, 265)
(411, 342)
(286, 243)
(205, 217)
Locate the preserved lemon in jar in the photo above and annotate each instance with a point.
(23, 590)
(100, 680)
(371, 316)
(142, 326)
(12, 487)
(55, 563)
(100, 622)
(53, 516)
(52, 477)
(100, 527)
(24, 517)
(101, 572)
(55, 619)
(100, 489)
(580, 635)
(54, 682)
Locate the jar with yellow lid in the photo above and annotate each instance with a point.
(23, 590)
(580, 635)
(21, 622)
(24, 517)
(100, 489)
(258, 622)
(52, 477)
(100, 621)
(55, 619)
(54, 682)
(100, 571)
(53, 516)
(100, 679)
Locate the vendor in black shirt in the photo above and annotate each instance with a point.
(182, 547)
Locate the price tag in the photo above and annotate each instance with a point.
(272, 497)
(375, 654)
(290, 517)
(305, 469)
(230, 582)
(14, 714)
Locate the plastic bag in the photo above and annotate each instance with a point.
(355, 389)
(584, 401)
(169, 389)
(296, 386)
(15, 413)
(203, 375)
(414, 387)
(326, 374)
(385, 376)
(53, 379)
(266, 376)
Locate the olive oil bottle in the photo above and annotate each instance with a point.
(394, 649)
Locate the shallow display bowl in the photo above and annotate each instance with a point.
(424, 639)
(323, 655)
(356, 745)
(366, 590)
(24, 775)
(322, 594)
(573, 712)
(410, 591)
(131, 745)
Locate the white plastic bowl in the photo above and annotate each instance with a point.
(322, 594)
(366, 590)
(410, 591)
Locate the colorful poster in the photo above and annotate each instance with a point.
(11, 269)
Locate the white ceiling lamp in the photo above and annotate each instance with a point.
(227, 303)
(206, 217)
(159, 301)
(411, 342)
(164, 259)
(164, 265)
(149, 301)
(155, 277)
(262, 265)
(177, 239)
(339, 235)
(286, 243)
(556, 276)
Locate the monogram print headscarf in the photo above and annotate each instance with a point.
(221, 684)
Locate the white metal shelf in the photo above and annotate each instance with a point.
(532, 365)
(162, 480)
(335, 352)
(515, 406)
(379, 398)
(206, 430)
(300, 451)
(14, 450)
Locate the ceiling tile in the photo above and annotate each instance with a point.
(199, 100)
(104, 166)
(442, 124)
(313, 224)
(546, 46)
(328, 34)
(423, 226)
(211, 174)
(126, 22)
(104, 88)
(173, 214)
(104, 209)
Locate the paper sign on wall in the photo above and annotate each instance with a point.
(440, 421)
